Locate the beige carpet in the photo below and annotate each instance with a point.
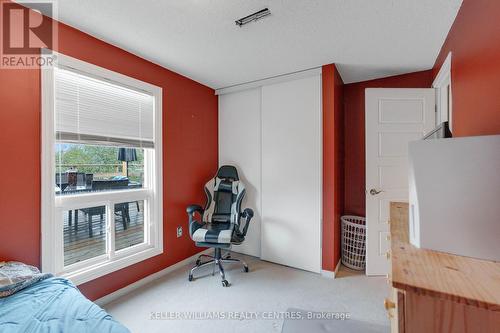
(320, 323)
(255, 302)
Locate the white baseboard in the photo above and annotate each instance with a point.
(330, 274)
(142, 282)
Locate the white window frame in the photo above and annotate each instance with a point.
(441, 83)
(51, 206)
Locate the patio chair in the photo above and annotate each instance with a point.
(121, 210)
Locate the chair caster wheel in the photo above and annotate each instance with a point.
(190, 278)
(245, 269)
(198, 262)
(225, 283)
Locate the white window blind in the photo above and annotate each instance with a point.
(96, 111)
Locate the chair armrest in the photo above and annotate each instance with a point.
(193, 223)
(194, 208)
(247, 214)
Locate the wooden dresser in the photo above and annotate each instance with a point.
(438, 292)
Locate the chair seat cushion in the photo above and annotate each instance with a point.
(214, 233)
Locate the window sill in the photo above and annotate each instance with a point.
(97, 270)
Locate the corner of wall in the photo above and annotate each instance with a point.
(333, 129)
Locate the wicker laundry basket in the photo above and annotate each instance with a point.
(353, 241)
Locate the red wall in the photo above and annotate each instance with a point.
(189, 155)
(20, 165)
(354, 138)
(474, 40)
(333, 178)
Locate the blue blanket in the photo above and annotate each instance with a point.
(51, 306)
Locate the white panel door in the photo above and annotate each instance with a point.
(393, 117)
(240, 145)
(291, 173)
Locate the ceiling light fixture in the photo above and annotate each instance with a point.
(253, 17)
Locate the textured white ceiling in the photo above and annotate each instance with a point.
(198, 38)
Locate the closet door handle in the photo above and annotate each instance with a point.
(375, 192)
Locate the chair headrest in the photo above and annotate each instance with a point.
(228, 171)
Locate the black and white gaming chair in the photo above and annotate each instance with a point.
(220, 225)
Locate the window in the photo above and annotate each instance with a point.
(101, 170)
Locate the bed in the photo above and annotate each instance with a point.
(54, 305)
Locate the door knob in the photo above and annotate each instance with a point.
(374, 191)
(388, 304)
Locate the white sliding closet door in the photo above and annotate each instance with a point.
(292, 173)
(239, 145)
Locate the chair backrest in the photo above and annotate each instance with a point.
(89, 177)
(224, 193)
(80, 179)
(61, 178)
(109, 184)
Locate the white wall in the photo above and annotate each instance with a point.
(273, 134)
(292, 173)
(240, 145)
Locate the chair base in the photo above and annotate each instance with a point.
(217, 260)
